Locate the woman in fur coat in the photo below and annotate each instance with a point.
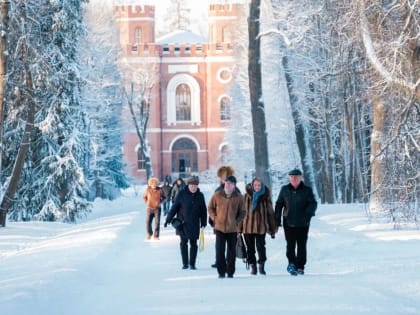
(259, 221)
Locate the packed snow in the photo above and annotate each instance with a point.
(103, 265)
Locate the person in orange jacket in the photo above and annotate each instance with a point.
(153, 198)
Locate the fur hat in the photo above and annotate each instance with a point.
(225, 171)
(153, 181)
(193, 180)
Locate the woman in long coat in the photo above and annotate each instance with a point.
(190, 208)
(259, 221)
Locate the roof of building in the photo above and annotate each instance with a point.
(182, 37)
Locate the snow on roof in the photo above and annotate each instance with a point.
(181, 37)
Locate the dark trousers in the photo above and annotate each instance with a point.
(153, 214)
(225, 252)
(296, 239)
(183, 245)
(256, 242)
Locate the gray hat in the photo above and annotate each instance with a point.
(295, 171)
(193, 180)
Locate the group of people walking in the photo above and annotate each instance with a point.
(230, 212)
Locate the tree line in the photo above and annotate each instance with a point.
(60, 106)
(352, 70)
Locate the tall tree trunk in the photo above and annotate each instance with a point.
(12, 186)
(255, 89)
(378, 160)
(4, 11)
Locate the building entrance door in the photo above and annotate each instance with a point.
(184, 157)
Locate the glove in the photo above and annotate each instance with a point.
(211, 222)
(273, 236)
(166, 224)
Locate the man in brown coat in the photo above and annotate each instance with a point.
(226, 209)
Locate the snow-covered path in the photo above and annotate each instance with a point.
(106, 267)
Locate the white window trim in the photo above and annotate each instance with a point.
(197, 144)
(195, 99)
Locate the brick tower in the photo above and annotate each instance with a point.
(190, 102)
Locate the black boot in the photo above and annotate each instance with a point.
(261, 269)
(253, 268)
(184, 255)
(193, 256)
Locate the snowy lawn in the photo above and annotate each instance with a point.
(103, 266)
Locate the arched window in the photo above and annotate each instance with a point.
(183, 102)
(183, 91)
(138, 35)
(225, 112)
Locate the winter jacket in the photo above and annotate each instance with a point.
(226, 212)
(262, 219)
(153, 197)
(166, 191)
(190, 208)
(296, 205)
(176, 189)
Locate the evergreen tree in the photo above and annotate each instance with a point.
(52, 186)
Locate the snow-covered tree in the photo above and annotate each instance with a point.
(102, 95)
(52, 185)
(138, 92)
(324, 70)
(390, 31)
(177, 16)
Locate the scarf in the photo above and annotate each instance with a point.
(256, 197)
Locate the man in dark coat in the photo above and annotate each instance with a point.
(296, 205)
(190, 208)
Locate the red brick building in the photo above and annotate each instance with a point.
(190, 103)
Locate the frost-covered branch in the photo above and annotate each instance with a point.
(373, 57)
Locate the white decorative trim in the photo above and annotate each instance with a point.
(219, 75)
(183, 68)
(197, 144)
(137, 147)
(222, 96)
(195, 98)
(222, 145)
